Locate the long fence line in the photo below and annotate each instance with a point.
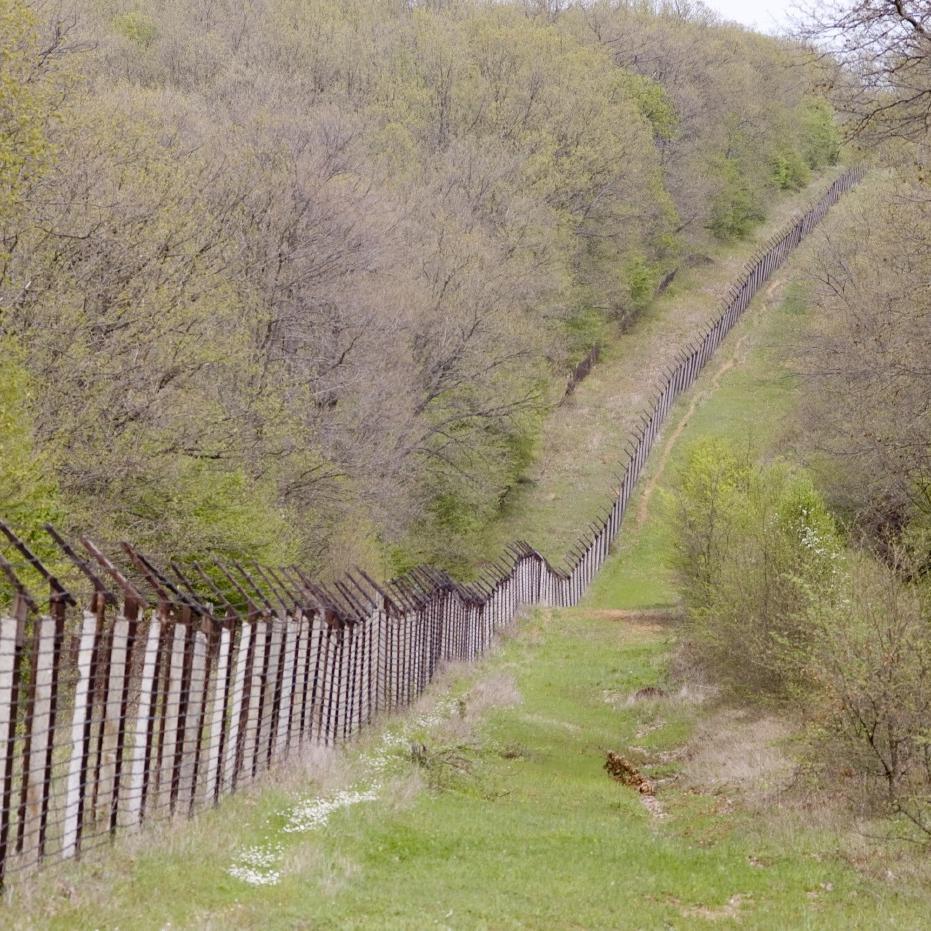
(167, 688)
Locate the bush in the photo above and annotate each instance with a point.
(735, 209)
(820, 135)
(752, 544)
(790, 171)
(587, 327)
(642, 278)
(137, 27)
(27, 477)
(193, 510)
(777, 609)
(869, 669)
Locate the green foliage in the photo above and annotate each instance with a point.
(735, 209)
(642, 279)
(811, 141)
(751, 543)
(586, 328)
(778, 610)
(136, 26)
(28, 487)
(790, 170)
(522, 443)
(655, 104)
(192, 510)
(820, 134)
(868, 692)
(458, 510)
(455, 515)
(24, 146)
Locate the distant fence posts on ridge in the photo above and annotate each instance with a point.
(158, 696)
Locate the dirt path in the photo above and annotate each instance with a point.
(633, 614)
(734, 359)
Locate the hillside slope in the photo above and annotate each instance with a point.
(488, 806)
(584, 438)
(297, 280)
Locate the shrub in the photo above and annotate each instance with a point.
(585, 328)
(192, 510)
(777, 609)
(642, 278)
(820, 135)
(790, 171)
(869, 669)
(137, 27)
(752, 543)
(735, 209)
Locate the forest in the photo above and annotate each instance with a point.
(383, 283)
(300, 279)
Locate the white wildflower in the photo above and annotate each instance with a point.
(258, 866)
(315, 813)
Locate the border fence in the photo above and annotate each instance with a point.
(159, 695)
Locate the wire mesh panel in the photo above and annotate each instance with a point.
(139, 751)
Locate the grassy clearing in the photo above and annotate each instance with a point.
(508, 820)
(493, 807)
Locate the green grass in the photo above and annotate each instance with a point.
(746, 396)
(582, 443)
(508, 819)
(532, 835)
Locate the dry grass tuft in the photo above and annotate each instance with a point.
(497, 690)
(695, 684)
(402, 792)
(332, 872)
(326, 767)
(743, 754)
(335, 873)
(729, 911)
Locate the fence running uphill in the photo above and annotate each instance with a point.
(159, 696)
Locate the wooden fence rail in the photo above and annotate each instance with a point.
(160, 696)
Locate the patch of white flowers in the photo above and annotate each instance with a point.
(258, 866)
(818, 544)
(392, 742)
(377, 761)
(812, 540)
(261, 865)
(315, 812)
